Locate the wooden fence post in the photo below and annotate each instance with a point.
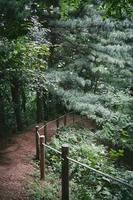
(65, 119)
(42, 157)
(45, 132)
(37, 143)
(57, 123)
(65, 172)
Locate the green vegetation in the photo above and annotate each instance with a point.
(92, 54)
(94, 73)
(76, 55)
(84, 184)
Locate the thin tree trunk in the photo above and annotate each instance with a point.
(39, 107)
(23, 96)
(16, 99)
(45, 104)
(23, 100)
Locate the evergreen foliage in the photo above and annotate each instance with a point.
(57, 56)
(83, 44)
(94, 73)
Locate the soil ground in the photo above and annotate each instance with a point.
(16, 160)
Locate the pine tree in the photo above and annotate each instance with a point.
(94, 69)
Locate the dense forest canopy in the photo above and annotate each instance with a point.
(77, 55)
(26, 26)
(32, 36)
(81, 62)
(43, 55)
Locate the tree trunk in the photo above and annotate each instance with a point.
(23, 96)
(45, 104)
(39, 107)
(23, 100)
(16, 99)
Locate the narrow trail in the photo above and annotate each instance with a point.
(15, 166)
(16, 161)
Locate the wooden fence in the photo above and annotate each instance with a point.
(41, 145)
(57, 121)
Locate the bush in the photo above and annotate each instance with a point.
(84, 184)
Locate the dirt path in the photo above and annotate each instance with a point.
(15, 162)
(15, 166)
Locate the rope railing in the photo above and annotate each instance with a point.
(44, 127)
(45, 122)
(41, 141)
(49, 122)
(119, 180)
(38, 134)
(122, 181)
(51, 148)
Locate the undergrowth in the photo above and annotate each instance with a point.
(84, 184)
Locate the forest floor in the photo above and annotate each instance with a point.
(16, 160)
